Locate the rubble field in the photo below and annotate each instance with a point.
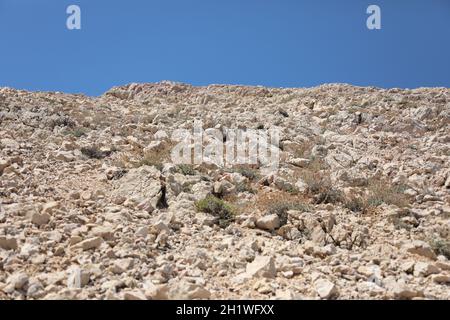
(92, 207)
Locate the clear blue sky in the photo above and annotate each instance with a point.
(279, 43)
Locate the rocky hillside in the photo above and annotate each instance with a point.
(91, 206)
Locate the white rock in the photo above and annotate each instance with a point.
(262, 266)
(299, 162)
(441, 278)
(122, 265)
(402, 291)
(423, 269)
(160, 135)
(18, 280)
(407, 266)
(106, 232)
(134, 295)
(269, 222)
(142, 232)
(8, 243)
(40, 219)
(420, 248)
(88, 244)
(156, 292)
(35, 289)
(77, 278)
(223, 187)
(301, 185)
(326, 289)
(3, 165)
(182, 290)
(65, 156)
(49, 207)
(29, 249)
(370, 287)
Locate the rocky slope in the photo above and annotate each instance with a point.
(91, 206)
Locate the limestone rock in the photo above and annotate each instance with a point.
(420, 248)
(40, 219)
(8, 243)
(262, 266)
(423, 269)
(326, 289)
(91, 243)
(269, 222)
(78, 278)
(184, 290)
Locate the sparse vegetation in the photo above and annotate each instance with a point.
(281, 209)
(348, 199)
(356, 204)
(118, 174)
(283, 113)
(77, 132)
(62, 121)
(186, 169)
(157, 158)
(248, 172)
(321, 189)
(380, 191)
(245, 187)
(94, 152)
(441, 247)
(151, 160)
(218, 208)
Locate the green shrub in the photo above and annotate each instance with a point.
(384, 192)
(150, 162)
(245, 187)
(62, 121)
(441, 247)
(186, 169)
(321, 189)
(218, 208)
(95, 153)
(249, 173)
(356, 204)
(78, 132)
(281, 209)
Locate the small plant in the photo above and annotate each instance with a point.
(384, 192)
(95, 153)
(356, 204)
(291, 189)
(400, 224)
(283, 113)
(155, 158)
(281, 209)
(148, 161)
(321, 188)
(118, 174)
(303, 150)
(218, 208)
(250, 173)
(441, 247)
(187, 188)
(62, 121)
(78, 132)
(186, 170)
(245, 187)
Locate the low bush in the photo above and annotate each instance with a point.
(94, 152)
(218, 208)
